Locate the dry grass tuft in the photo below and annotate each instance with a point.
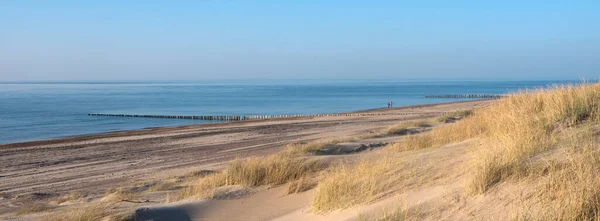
(300, 185)
(271, 170)
(92, 212)
(413, 142)
(453, 116)
(72, 196)
(312, 148)
(203, 188)
(570, 187)
(121, 194)
(397, 214)
(34, 208)
(197, 174)
(405, 127)
(163, 186)
(365, 182)
(441, 136)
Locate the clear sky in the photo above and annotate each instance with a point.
(193, 40)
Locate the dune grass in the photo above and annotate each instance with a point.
(34, 208)
(405, 127)
(389, 214)
(513, 129)
(300, 185)
(91, 212)
(72, 196)
(523, 125)
(85, 211)
(512, 133)
(312, 148)
(202, 188)
(345, 186)
(194, 174)
(121, 194)
(453, 116)
(440, 136)
(163, 186)
(289, 165)
(570, 187)
(271, 170)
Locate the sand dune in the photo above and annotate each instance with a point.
(42, 171)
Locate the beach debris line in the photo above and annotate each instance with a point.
(259, 117)
(468, 96)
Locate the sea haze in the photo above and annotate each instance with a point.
(44, 110)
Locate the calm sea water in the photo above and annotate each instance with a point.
(34, 111)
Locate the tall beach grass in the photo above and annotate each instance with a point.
(271, 170)
(345, 186)
(514, 129)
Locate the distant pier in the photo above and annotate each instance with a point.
(259, 117)
(467, 96)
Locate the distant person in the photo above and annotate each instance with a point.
(391, 104)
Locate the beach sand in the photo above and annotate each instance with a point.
(92, 164)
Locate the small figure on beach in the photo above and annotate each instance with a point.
(389, 104)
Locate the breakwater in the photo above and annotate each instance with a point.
(467, 96)
(259, 117)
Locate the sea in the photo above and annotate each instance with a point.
(32, 111)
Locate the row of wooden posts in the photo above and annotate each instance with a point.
(469, 96)
(256, 117)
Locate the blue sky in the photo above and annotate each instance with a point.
(194, 40)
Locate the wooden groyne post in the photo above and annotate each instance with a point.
(258, 117)
(466, 96)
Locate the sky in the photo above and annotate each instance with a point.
(229, 39)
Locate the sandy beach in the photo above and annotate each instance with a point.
(299, 110)
(527, 155)
(40, 170)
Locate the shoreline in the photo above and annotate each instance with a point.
(119, 132)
